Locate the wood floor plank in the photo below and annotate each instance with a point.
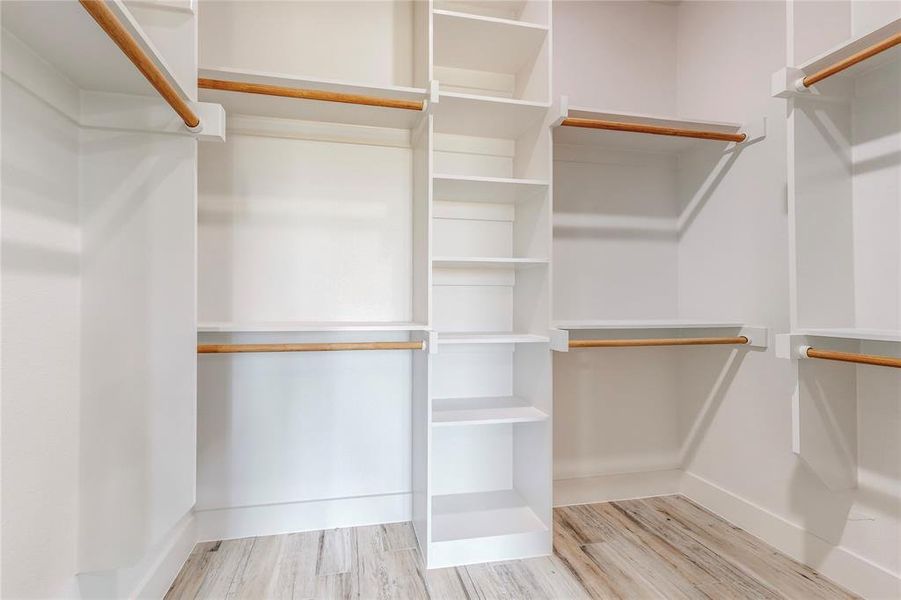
(258, 577)
(568, 546)
(190, 578)
(449, 584)
(337, 551)
(521, 579)
(777, 570)
(391, 574)
(226, 560)
(718, 567)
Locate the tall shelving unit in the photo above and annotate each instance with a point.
(845, 231)
(484, 441)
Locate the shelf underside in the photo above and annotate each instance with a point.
(307, 326)
(866, 335)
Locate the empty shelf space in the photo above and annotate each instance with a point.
(462, 188)
(468, 114)
(469, 41)
(491, 338)
(627, 140)
(481, 515)
(304, 326)
(444, 262)
(484, 411)
(339, 110)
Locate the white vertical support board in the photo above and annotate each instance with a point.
(422, 222)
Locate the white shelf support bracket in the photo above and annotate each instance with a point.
(434, 96)
(787, 83)
(559, 111)
(432, 342)
(212, 122)
(559, 340)
(755, 130)
(757, 336)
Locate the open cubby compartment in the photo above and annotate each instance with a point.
(370, 43)
(487, 56)
(490, 487)
(846, 214)
(313, 222)
(536, 12)
(616, 234)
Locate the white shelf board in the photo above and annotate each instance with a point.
(500, 190)
(491, 338)
(468, 41)
(485, 116)
(643, 142)
(67, 37)
(853, 46)
(483, 411)
(865, 335)
(304, 326)
(650, 324)
(482, 515)
(312, 110)
(445, 262)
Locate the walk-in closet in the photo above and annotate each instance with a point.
(450, 299)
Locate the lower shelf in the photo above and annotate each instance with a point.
(482, 515)
(485, 527)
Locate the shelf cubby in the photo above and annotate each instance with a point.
(490, 56)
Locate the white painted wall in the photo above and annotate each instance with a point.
(359, 41)
(40, 348)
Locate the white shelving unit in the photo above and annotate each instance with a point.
(845, 231)
(482, 489)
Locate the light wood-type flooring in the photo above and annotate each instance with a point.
(664, 547)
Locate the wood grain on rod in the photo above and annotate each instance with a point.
(117, 32)
(852, 357)
(654, 129)
(323, 347)
(852, 60)
(630, 343)
(304, 94)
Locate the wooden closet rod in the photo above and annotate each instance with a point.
(654, 129)
(852, 357)
(630, 343)
(852, 60)
(117, 32)
(323, 347)
(304, 94)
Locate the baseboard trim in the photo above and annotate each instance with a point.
(170, 560)
(846, 568)
(292, 517)
(610, 488)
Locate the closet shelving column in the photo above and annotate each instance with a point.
(844, 133)
(489, 493)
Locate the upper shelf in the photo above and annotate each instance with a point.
(672, 135)
(468, 41)
(306, 326)
(502, 190)
(863, 335)
(66, 36)
(757, 337)
(335, 111)
(486, 116)
(512, 10)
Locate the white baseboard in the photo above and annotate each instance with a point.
(846, 568)
(609, 488)
(291, 517)
(152, 575)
